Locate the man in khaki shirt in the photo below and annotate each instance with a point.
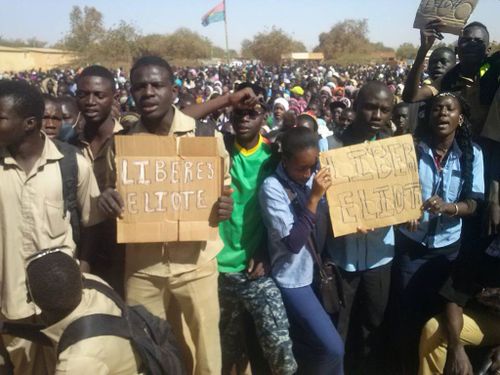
(95, 95)
(55, 285)
(32, 213)
(159, 275)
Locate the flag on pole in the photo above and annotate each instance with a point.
(216, 14)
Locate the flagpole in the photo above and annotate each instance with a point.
(225, 30)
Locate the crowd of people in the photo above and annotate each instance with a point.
(420, 297)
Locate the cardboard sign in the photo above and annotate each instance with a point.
(454, 14)
(169, 186)
(374, 184)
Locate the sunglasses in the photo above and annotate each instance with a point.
(252, 113)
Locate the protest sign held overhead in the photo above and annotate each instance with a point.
(374, 184)
(454, 14)
(169, 186)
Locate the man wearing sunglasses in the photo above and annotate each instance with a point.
(244, 286)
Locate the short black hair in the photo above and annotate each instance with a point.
(154, 61)
(307, 118)
(28, 101)
(337, 104)
(444, 50)
(478, 24)
(50, 98)
(55, 282)
(69, 100)
(401, 105)
(298, 139)
(368, 87)
(98, 71)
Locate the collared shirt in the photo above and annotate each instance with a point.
(435, 231)
(99, 355)
(32, 218)
(288, 269)
(172, 258)
(361, 252)
(103, 160)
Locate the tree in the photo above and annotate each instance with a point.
(182, 44)
(406, 51)
(118, 44)
(86, 28)
(269, 46)
(347, 42)
(187, 44)
(346, 37)
(246, 52)
(31, 42)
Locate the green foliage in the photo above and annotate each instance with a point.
(86, 28)
(406, 51)
(347, 42)
(31, 42)
(118, 44)
(182, 44)
(269, 46)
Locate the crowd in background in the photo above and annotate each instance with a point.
(411, 298)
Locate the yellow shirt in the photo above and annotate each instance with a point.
(100, 355)
(172, 258)
(32, 219)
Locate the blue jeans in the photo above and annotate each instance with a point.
(318, 348)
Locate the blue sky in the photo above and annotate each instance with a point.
(389, 21)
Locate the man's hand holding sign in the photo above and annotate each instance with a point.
(374, 184)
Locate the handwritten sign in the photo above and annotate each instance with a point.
(169, 186)
(375, 184)
(454, 14)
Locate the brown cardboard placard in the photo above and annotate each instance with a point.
(169, 186)
(374, 184)
(454, 14)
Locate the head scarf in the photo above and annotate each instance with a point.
(283, 102)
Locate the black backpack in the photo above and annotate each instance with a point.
(151, 337)
(69, 174)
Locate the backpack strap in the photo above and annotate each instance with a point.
(31, 332)
(96, 324)
(69, 173)
(93, 326)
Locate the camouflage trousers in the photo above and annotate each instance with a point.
(262, 300)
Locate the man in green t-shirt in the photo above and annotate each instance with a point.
(244, 286)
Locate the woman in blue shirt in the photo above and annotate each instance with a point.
(451, 177)
(294, 210)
